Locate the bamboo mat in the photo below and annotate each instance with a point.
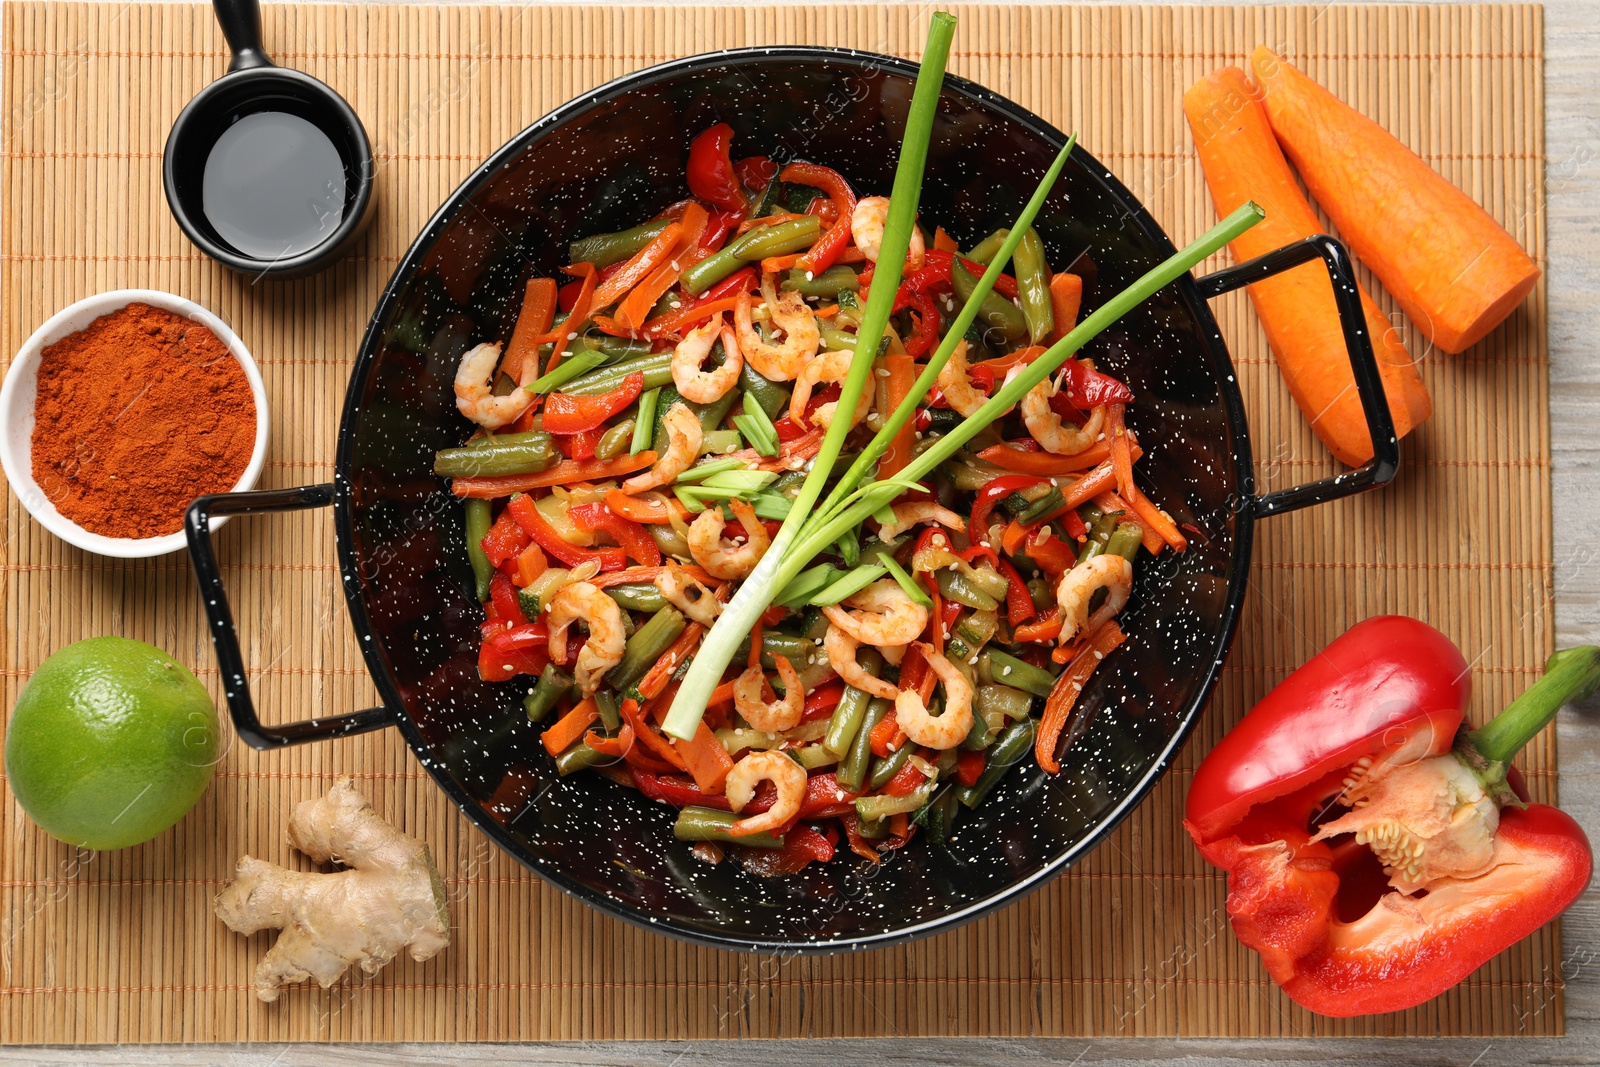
(123, 946)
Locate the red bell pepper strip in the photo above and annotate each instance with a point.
(677, 791)
(1087, 388)
(528, 517)
(1064, 696)
(990, 495)
(802, 846)
(711, 173)
(1370, 731)
(1014, 456)
(821, 701)
(579, 447)
(506, 604)
(504, 540)
(926, 330)
(825, 253)
(905, 780)
(634, 539)
(970, 766)
(1051, 553)
(755, 172)
(496, 664)
(1019, 602)
(743, 280)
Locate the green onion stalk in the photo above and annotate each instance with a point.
(756, 592)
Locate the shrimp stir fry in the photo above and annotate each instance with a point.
(878, 679)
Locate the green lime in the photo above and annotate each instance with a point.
(111, 742)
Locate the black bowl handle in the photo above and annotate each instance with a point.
(1385, 459)
(241, 25)
(197, 525)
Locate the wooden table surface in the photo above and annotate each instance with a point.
(1572, 101)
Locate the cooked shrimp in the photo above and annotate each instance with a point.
(705, 386)
(582, 602)
(828, 367)
(1047, 428)
(683, 445)
(688, 594)
(866, 229)
(786, 776)
(955, 382)
(914, 514)
(475, 390)
(780, 715)
(893, 654)
(801, 337)
(948, 729)
(722, 559)
(881, 614)
(1114, 574)
(841, 650)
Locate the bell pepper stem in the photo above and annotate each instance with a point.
(1571, 674)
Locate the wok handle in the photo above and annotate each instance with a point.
(224, 638)
(1385, 460)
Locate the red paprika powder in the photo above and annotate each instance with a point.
(137, 414)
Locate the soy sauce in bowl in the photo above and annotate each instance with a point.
(274, 185)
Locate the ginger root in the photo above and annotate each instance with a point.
(390, 897)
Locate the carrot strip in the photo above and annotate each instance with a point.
(640, 267)
(636, 509)
(1122, 464)
(1066, 300)
(561, 336)
(565, 731)
(1453, 268)
(533, 321)
(707, 760)
(1242, 161)
(755, 646)
(773, 264)
(1064, 697)
(902, 373)
(674, 321)
(656, 743)
(722, 694)
(564, 473)
(645, 575)
(827, 312)
(660, 673)
(634, 308)
(1091, 485)
(618, 746)
(1045, 464)
(1045, 628)
(943, 242)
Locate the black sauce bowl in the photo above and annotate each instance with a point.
(613, 158)
(254, 84)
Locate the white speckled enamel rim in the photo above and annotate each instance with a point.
(17, 420)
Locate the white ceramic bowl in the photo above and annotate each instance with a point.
(16, 417)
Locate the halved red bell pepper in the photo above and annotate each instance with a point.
(1376, 851)
(825, 252)
(567, 414)
(710, 171)
(634, 538)
(527, 516)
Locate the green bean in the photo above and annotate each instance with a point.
(711, 824)
(1048, 502)
(580, 757)
(1033, 286)
(852, 707)
(547, 692)
(1041, 593)
(837, 340)
(645, 647)
(886, 767)
(1100, 531)
(852, 772)
(878, 807)
(637, 596)
(985, 250)
(996, 311)
(830, 283)
(957, 586)
(939, 816)
(1008, 670)
(1009, 749)
(978, 737)
(779, 239)
(712, 414)
(811, 757)
(478, 523)
(609, 705)
(614, 442)
(772, 397)
(604, 249)
(508, 453)
(775, 643)
(1012, 703)
(657, 369)
(1126, 541)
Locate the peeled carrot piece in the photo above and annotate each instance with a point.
(1242, 162)
(1454, 269)
(1066, 300)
